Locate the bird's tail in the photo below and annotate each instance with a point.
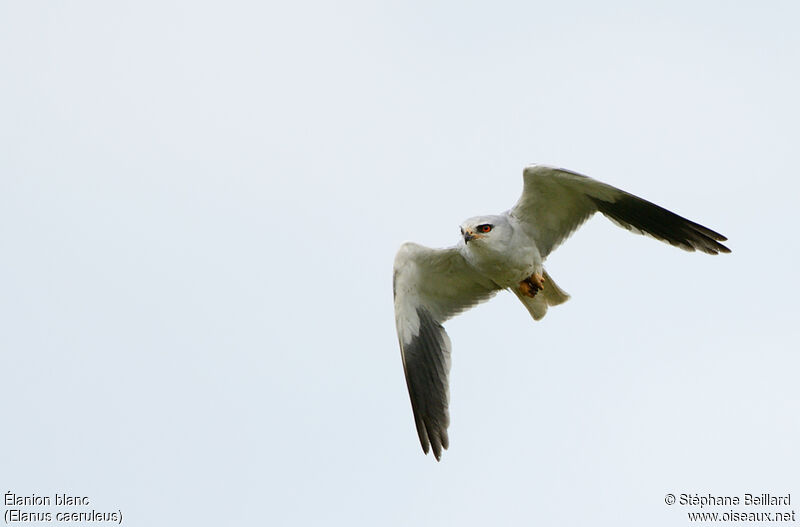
(551, 295)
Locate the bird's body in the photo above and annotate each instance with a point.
(507, 251)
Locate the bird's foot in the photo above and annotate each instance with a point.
(532, 285)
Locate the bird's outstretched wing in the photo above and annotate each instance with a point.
(555, 202)
(430, 286)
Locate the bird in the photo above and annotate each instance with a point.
(507, 252)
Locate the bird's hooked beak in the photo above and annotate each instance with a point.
(469, 235)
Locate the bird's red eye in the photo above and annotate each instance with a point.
(484, 228)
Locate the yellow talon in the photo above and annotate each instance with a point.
(532, 285)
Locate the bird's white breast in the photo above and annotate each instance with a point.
(506, 263)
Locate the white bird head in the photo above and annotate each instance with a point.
(488, 232)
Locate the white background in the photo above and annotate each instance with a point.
(199, 208)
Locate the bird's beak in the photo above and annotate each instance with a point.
(468, 236)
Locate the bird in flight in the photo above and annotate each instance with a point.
(507, 251)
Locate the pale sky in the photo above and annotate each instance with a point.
(199, 209)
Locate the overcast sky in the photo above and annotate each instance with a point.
(200, 204)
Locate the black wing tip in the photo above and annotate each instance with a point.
(437, 449)
(644, 216)
(710, 242)
(426, 447)
(435, 446)
(441, 444)
(712, 237)
(707, 246)
(436, 442)
(426, 364)
(717, 249)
